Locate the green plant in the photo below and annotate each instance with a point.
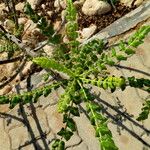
(7, 45)
(84, 65)
(145, 111)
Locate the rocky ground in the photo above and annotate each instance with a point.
(31, 126)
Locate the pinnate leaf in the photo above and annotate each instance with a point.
(48, 63)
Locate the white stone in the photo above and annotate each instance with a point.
(3, 109)
(129, 2)
(57, 25)
(95, 7)
(19, 6)
(48, 50)
(43, 6)
(30, 24)
(79, 3)
(29, 27)
(22, 20)
(2, 7)
(60, 4)
(63, 15)
(9, 24)
(50, 13)
(34, 3)
(88, 32)
(5, 90)
(138, 2)
(11, 67)
(25, 71)
(65, 39)
(3, 55)
(27, 68)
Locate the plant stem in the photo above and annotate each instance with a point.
(15, 14)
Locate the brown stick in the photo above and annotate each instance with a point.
(10, 60)
(133, 3)
(15, 14)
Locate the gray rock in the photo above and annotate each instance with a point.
(54, 118)
(4, 141)
(125, 23)
(20, 138)
(86, 132)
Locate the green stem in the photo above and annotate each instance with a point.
(88, 103)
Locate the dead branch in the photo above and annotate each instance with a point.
(11, 60)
